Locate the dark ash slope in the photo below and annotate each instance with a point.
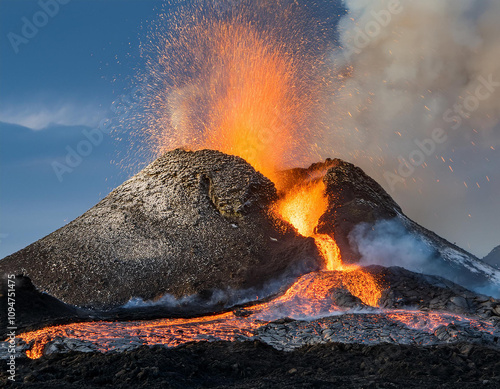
(188, 223)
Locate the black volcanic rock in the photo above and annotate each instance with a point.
(493, 258)
(255, 365)
(188, 223)
(32, 309)
(356, 199)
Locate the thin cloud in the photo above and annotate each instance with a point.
(40, 117)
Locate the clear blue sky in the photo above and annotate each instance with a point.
(60, 83)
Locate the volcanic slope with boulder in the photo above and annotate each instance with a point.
(188, 223)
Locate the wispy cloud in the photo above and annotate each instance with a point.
(38, 117)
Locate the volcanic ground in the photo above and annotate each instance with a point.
(199, 271)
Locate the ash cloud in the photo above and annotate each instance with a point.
(404, 69)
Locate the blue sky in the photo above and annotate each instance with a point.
(61, 83)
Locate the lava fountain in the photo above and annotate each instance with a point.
(246, 83)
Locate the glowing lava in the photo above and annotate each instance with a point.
(302, 208)
(246, 83)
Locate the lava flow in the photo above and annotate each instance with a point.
(103, 336)
(302, 208)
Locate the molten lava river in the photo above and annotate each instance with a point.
(310, 301)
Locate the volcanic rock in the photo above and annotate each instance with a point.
(493, 258)
(189, 223)
(355, 199)
(252, 365)
(32, 309)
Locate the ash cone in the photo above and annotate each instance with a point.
(189, 223)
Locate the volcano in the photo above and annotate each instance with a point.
(197, 222)
(199, 246)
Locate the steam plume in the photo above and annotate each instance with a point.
(409, 68)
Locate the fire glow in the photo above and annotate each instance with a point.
(244, 83)
(302, 208)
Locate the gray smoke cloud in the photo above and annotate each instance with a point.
(417, 106)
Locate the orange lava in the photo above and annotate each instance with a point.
(302, 207)
(247, 121)
(150, 332)
(294, 303)
(237, 84)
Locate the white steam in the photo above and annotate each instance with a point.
(390, 243)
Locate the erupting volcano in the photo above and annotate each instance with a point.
(223, 238)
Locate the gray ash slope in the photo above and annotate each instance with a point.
(188, 223)
(493, 258)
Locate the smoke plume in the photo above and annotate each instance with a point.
(417, 106)
(389, 243)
